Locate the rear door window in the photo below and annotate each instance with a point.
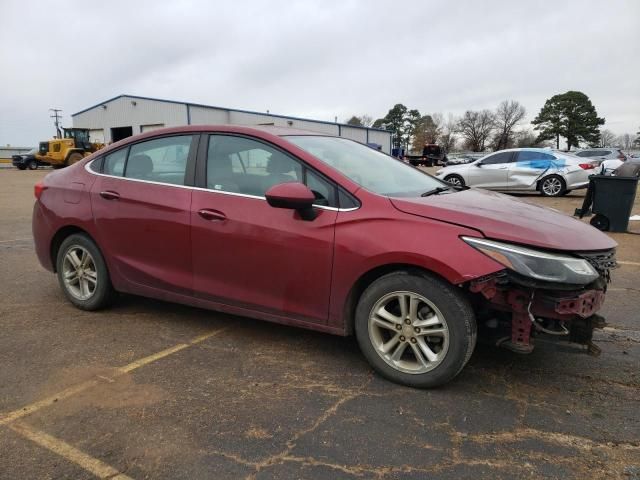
(162, 160)
(534, 159)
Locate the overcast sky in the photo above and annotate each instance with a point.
(316, 59)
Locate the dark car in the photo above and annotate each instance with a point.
(324, 233)
(27, 160)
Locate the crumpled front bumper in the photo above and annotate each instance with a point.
(564, 314)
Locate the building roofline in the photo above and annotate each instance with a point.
(124, 95)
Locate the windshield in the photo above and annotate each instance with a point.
(369, 168)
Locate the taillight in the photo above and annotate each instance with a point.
(38, 188)
(587, 166)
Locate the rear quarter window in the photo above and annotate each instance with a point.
(114, 163)
(96, 165)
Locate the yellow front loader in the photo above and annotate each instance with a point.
(74, 146)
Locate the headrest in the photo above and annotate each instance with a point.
(139, 165)
(278, 163)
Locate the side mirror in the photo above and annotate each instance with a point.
(478, 164)
(294, 196)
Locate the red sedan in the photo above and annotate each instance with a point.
(324, 233)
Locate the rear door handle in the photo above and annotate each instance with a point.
(212, 215)
(110, 195)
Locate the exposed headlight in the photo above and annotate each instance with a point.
(549, 267)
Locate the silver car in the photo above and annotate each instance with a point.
(602, 154)
(523, 169)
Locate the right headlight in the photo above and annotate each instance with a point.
(545, 266)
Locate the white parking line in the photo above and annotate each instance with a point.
(623, 262)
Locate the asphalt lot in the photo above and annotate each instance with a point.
(155, 390)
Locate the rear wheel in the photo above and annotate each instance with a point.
(552, 186)
(415, 330)
(74, 158)
(82, 273)
(455, 180)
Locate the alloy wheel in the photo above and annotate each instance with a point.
(408, 332)
(79, 273)
(552, 186)
(454, 181)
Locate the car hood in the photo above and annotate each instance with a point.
(507, 218)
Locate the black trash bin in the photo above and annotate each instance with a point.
(613, 199)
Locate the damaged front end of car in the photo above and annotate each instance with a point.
(540, 294)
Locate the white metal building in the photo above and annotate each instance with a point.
(127, 115)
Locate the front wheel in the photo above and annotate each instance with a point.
(455, 180)
(415, 330)
(552, 186)
(82, 273)
(33, 165)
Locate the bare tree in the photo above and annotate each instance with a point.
(607, 138)
(448, 137)
(527, 139)
(508, 115)
(362, 121)
(476, 128)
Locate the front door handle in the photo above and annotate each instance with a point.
(110, 195)
(212, 215)
(502, 168)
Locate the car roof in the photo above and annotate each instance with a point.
(261, 131)
(271, 129)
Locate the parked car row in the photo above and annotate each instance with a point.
(523, 169)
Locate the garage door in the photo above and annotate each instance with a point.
(153, 126)
(96, 135)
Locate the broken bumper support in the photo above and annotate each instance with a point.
(572, 312)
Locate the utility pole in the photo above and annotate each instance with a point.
(56, 115)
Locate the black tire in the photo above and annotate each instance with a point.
(600, 222)
(452, 304)
(74, 158)
(58, 166)
(457, 180)
(33, 165)
(21, 167)
(552, 180)
(103, 294)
